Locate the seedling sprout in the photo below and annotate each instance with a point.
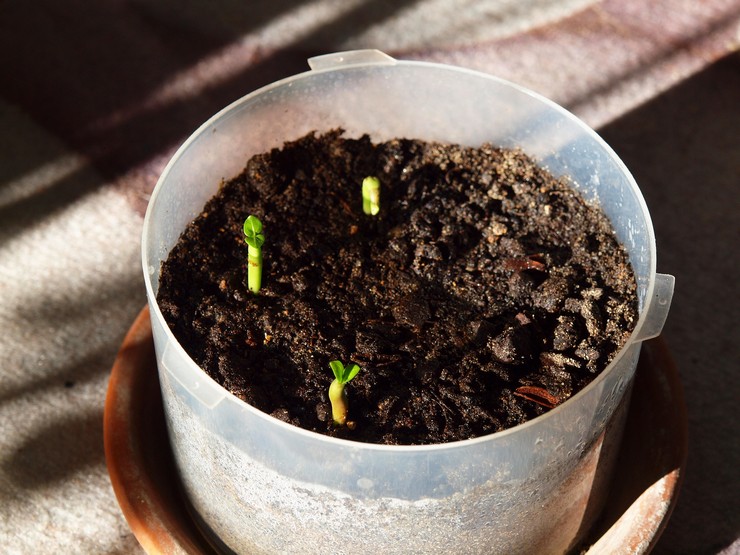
(371, 195)
(337, 395)
(254, 238)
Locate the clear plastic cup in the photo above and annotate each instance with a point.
(258, 485)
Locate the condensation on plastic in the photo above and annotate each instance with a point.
(285, 488)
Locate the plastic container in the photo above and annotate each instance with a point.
(258, 485)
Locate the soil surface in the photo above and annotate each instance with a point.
(484, 293)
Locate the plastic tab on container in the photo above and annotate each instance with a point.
(349, 58)
(657, 310)
(193, 379)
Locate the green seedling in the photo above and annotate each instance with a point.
(337, 395)
(371, 196)
(254, 238)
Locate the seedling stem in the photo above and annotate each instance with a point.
(254, 238)
(337, 394)
(371, 196)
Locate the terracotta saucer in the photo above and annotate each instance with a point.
(141, 467)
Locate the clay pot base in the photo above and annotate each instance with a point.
(142, 471)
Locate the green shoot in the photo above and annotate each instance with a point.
(371, 196)
(337, 394)
(254, 238)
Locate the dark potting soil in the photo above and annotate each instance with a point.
(485, 292)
